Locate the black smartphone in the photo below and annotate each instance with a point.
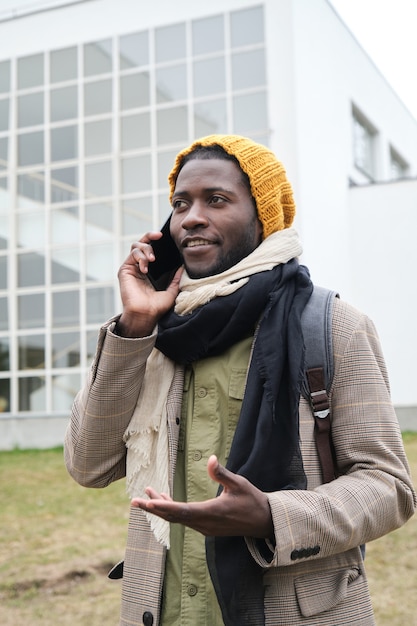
(167, 259)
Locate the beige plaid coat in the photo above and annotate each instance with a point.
(317, 577)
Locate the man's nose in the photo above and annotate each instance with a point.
(195, 216)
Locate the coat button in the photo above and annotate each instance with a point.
(197, 456)
(147, 618)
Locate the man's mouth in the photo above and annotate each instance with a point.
(192, 243)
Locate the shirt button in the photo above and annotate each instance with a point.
(202, 392)
(192, 590)
(197, 456)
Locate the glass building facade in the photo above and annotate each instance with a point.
(88, 134)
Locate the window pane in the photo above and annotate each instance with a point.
(30, 269)
(64, 103)
(4, 356)
(31, 352)
(98, 137)
(100, 263)
(98, 57)
(31, 310)
(249, 113)
(209, 77)
(136, 131)
(99, 221)
(64, 184)
(100, 304)
(30, 71)
(65, 308)
(65, 265)
(3, 272)
(4, 114)
(164, 208)
(64, 143)
(30, 109)
(4, 76)
(136, 174)
(65, 349)
(5, 197)
(30, 148)
(399, 167)
(4, 144)
(171, 83)
(247, 26)
(133, 50)
(98, 179)
(4, 395)
(165, 163)
(32, 396)
(134, 91)
(363, 145)
(65, 225)
(64, 389)
(30, 229)
(210, 117)
(172, 125)
(208, 35)
(4, 232)
(248, 69)
(170, 43)
(97, 97)
(4, 314)
(31, 190)
(63, 64)
(91, 341)
(137, 216)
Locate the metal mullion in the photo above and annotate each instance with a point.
(228, 71)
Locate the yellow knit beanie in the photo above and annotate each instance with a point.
(268, 180)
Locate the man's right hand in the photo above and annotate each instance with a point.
(143, 306)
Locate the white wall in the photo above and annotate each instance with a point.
(318, 69)
(383, 263)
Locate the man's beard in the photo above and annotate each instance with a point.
(242, 249)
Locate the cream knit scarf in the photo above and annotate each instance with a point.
(146, 437)
(278, 248)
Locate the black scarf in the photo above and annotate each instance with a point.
(265, 447)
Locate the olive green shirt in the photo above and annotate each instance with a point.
(212, 398)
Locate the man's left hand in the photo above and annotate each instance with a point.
(240, 510)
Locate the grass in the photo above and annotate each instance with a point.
(58, 540)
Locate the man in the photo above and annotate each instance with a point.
(194, 395)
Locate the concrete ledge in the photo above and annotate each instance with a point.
(407, 417)
(48, 432)
(34, 433)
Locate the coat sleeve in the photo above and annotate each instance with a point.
(94, 450)
(373, 494)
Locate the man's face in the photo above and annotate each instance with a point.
(214, 222)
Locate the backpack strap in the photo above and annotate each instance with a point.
(316, 324)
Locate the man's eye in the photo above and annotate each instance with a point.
(178, 204)
(216, 199)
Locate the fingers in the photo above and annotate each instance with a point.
(223, 476)
(163, 506)
(142, 251)
(154, 495)
(174, 286)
